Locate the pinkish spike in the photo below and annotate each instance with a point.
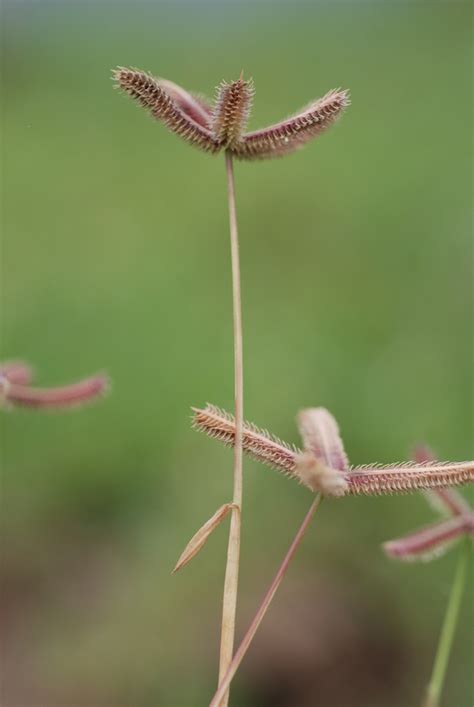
(430, 541)
(57, 398)
(16, 372)
(195, 107)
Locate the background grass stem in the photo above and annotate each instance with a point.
(445, 644)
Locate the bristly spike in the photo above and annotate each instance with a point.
(232, 111)
(405, 478)
(170, 104)
(294, 132)
(220, 425)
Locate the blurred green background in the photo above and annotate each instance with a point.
(357, 263)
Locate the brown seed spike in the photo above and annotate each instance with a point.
(257, 443)
(232, 110)
(291, 134)
(172, 107)
(374, 480)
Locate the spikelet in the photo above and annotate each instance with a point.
(320, 434)
(232, 109)
(152, 94)
(373, 480)
(323, 464)
(294, 132)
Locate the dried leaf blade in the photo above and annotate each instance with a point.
(201, 536)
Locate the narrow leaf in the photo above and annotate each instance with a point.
(200, 538)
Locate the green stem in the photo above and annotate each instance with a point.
(443, 652)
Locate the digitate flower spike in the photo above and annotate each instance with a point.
(370, 480)
(16, 391)
(433, 540)
(222, 125)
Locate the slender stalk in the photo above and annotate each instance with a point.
(233, 551)
(443, 652)
(262, 610)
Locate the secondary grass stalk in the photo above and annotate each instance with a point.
(233, 551)
(445, 644)
(224, 683)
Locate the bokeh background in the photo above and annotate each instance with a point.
(357, 264)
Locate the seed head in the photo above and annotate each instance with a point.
(368, 480)
(222, 126)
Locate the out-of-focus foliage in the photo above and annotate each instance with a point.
(356, 267)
